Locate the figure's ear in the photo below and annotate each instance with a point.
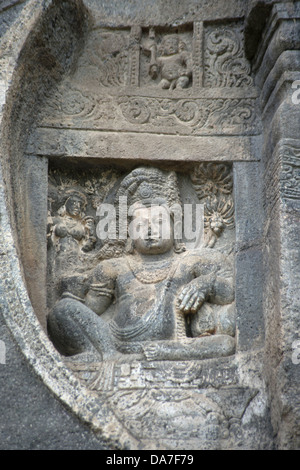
(177, 229)
(130, 246)
(160, 49)
(62, 211)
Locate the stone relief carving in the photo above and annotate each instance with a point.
(219, 213)
(156, 77)
(290, 175)
(195, 115)
(170, 61)
(134, 61)
(282, 171)
(225, 62)
(71, 225)
(162, 313)
(157, 299)
(136, 318)
(213, 184)
(105, 60)
(73, 107)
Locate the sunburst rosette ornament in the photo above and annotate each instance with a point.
(213, 184)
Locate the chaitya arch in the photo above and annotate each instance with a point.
(156, 333)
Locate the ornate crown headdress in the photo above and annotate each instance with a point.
(75, 193)
(147, 185)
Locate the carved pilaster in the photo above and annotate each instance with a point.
(198, 54)
(134, 62)
(277, 66)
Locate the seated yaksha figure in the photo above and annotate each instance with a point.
(174, 64)
(140, 303)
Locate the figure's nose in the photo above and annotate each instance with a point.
(153, 231)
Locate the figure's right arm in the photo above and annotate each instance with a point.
(101, 292)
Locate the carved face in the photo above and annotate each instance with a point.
(217, 224)
(171, 45)
(152, 230)
(89, 223)
(74, 206)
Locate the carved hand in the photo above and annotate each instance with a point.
(153, 71)
(89, 244)
(75, 284)
(193, 296)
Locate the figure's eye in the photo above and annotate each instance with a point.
(158, 221)
(142, 224)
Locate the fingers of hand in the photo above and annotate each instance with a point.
(197, 304)
(190, 300)
(185, 296)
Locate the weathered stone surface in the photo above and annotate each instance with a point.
(163, 13)
(114, 145)
(279, 157)
(31, 418)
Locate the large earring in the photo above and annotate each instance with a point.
(130, 246)
(62, 211)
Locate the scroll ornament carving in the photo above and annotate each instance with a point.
(72, 105)
(67, 101)
(225, 64)
(199, 115)
(106, 58)
(213, 184)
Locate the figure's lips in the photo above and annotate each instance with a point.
(217, 230)
(151, 241)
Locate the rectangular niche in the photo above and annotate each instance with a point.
(204, 195)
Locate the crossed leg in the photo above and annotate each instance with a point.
(75, 328)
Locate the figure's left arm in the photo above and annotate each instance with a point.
(187, 63)
(222, 292)
(213, 282)
(101, 290)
